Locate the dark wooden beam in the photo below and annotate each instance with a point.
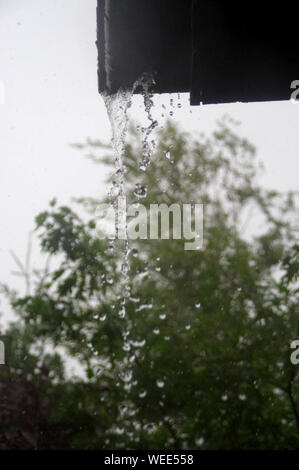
(219, 51)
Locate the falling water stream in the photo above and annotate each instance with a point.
(117, 108)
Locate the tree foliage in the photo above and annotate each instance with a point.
(209, 331)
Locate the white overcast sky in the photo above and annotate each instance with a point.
(48, 75)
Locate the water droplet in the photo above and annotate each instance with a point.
(160, 383)
(123, 409)
(134, 252)
(114, 190)
(132, 358)
(119, 431)
(124, 268)
(126, 376)
(122, 312)
(143, 166)
(140, 191)
(199, 442)
(150, 428)
(142, 394)
(103, 317)
(126, 347)
(144, 307)
(138, 344)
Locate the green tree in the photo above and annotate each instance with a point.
(207, 332)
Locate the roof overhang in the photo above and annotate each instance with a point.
(219, 51)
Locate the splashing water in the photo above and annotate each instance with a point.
(117, 107)
(134, 343)
(146, 82)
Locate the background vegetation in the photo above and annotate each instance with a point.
(202, 358)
